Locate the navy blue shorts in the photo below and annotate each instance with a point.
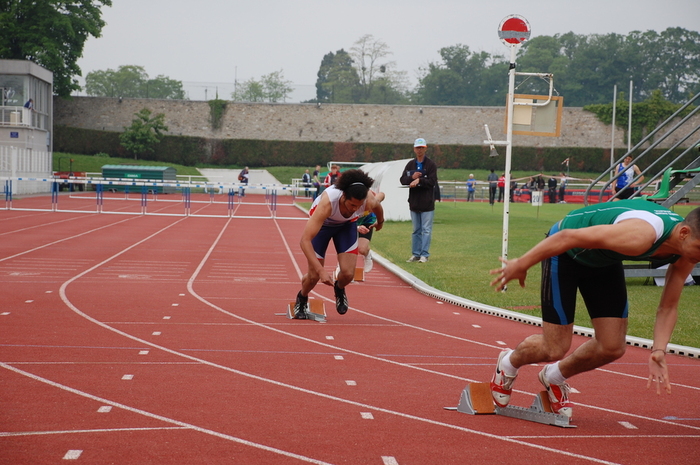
(344, 239)
(603, 289)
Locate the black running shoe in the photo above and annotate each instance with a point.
(341, 300)
(300, 307)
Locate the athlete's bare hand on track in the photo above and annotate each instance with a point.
(658, 372)
(511, 270)
(325, 278)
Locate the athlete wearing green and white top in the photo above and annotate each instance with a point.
(584, 252)
(598, 273)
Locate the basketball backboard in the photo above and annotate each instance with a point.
(536, 115)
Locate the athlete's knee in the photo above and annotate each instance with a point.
(345, 276)
(609, 354)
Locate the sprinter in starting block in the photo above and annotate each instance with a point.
(333, 215)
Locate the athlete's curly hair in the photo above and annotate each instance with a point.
(354, 183)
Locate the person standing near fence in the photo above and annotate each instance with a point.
(420, 175)
(493, 186)
(471, 188)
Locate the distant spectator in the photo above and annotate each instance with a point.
(29, 105)
(306, 182)
(316, 181)
(552, 185)
(493, 185)
(243, 179)
(471, 187)
(331, 177)
(501, 187)
(562, 188)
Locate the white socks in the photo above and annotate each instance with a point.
(553, 374)
(508, 369)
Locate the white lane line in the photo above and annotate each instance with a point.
(338, 357)
(350, 382)
(79, 431)
(388, 460)
(104, 409)
(72, 455)
(128, 377)
(162, 418)
(252, 376)
(367, 415)
(628, 425)
(156, 333)
(143, 352)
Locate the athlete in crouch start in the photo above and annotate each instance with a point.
(584, 252)
(333, 215)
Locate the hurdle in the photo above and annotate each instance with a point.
(476, 400)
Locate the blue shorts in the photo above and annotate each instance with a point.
(344, 239)
(603, 289)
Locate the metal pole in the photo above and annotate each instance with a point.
(612, 138)
(509, 151)
(629, 123)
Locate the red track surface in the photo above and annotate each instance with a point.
(174, 323)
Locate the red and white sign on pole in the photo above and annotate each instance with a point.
(514, 30)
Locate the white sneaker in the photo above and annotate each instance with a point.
(413, 259)
(368, 262)
(423, 260)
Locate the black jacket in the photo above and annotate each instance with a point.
(422, 197)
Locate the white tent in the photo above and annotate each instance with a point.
(386, 179)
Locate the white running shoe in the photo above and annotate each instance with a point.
(413, 259)
(423, 260)
(368, 262)
(558, 395)
(501, 384)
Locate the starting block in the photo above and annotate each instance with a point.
(359, 274)
(476, 400)
(315, 309)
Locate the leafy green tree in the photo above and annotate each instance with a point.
(51, 33)
(463, 78)
(270, 88)
(144, 133)
(586, 68)
(337, 81)
(131, 81)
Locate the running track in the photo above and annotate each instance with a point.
(130, 339)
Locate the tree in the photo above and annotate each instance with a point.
(52, 34)
(368, 56)
(144, 133)
(337, 81)
(586, 68)
(271, 88)
(464, 78)
(131, 81)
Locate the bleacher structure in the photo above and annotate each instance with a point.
(675, 184)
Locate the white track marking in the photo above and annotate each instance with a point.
(164, 419)
(79, 431)
(205, 362)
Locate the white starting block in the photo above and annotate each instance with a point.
(476, 400)
(315, 309)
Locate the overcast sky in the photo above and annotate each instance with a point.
(208, 44)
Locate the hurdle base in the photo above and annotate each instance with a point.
(315, 310)
(476, 399)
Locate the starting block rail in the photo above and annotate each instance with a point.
(476, 400)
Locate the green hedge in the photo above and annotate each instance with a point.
(191, 151)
